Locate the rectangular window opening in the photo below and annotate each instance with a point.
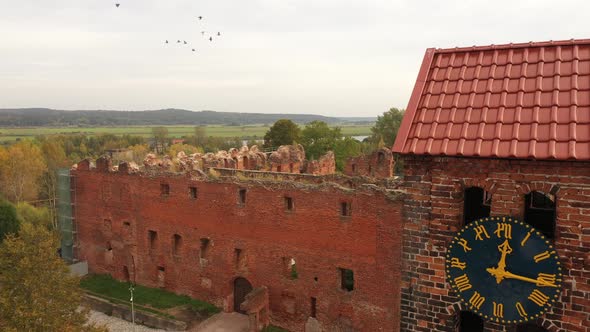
(242, 197)
(153, 238)
(204, 247)
(313, 307)
(193, 192)
(238, 257)
(289, 204)
(290, 268)
(164, 189)
(346, 279)
(177, 244)
(345, 210)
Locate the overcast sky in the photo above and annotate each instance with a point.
(330, 57)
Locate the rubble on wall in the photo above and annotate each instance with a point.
(287, 158)
(323, 166)
(378, 164)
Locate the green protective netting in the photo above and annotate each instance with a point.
(64, 214)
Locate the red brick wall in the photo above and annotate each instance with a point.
(378, 164)
(433, 213)
(314, 234)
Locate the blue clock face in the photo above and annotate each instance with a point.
(504, 270)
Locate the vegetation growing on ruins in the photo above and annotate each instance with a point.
(157, 298)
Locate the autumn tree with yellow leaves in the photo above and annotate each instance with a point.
(38, 292)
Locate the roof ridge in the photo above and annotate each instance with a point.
(514, 45)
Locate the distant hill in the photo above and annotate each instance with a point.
(45, 117)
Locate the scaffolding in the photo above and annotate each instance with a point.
(65, 215)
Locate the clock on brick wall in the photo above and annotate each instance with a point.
(504, 270)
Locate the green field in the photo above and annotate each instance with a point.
(251, 131)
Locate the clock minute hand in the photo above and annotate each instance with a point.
(538, 282)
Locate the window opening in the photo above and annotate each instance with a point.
(153, 238)
(380, 158)
(346, 279)
(353, 168)
(164, 189)
(539, 212)
(177, 245)
(193, 192)
(290, 268)
(204, 247)
(476, 204)
(470, 322)
(238, 257)
(345, 209)
(242, 197)
(289, 203)
(279, 168)
(313, 307)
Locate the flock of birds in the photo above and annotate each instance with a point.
(184, 42)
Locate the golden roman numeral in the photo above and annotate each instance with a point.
(462, 283)
(520, 309)
(539, 298)
(542, 256)
(543, 279)
(479, 230)
(498, 310)
(455, 262)
(477, 300)
(504, 228)
(526, 238)
(463, 243)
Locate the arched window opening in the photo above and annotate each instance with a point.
(477, 204)
(539, 212)
(470, 322)
(530, 327)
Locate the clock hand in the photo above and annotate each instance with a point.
(505, 249)
(538, 282)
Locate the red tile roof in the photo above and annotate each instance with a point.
(528, 101)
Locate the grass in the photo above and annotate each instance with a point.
(248, 131)
(102, 284)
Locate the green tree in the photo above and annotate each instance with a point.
(345, 148)
(37, 216)
(160, 138)
(282, 132)
(317, 139)
(387, 126)
(200, 138)
(38, 292)
(9, 221)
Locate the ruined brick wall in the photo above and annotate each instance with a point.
(116, 211)
(325, 165)
(433, 214)
(378, 164)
